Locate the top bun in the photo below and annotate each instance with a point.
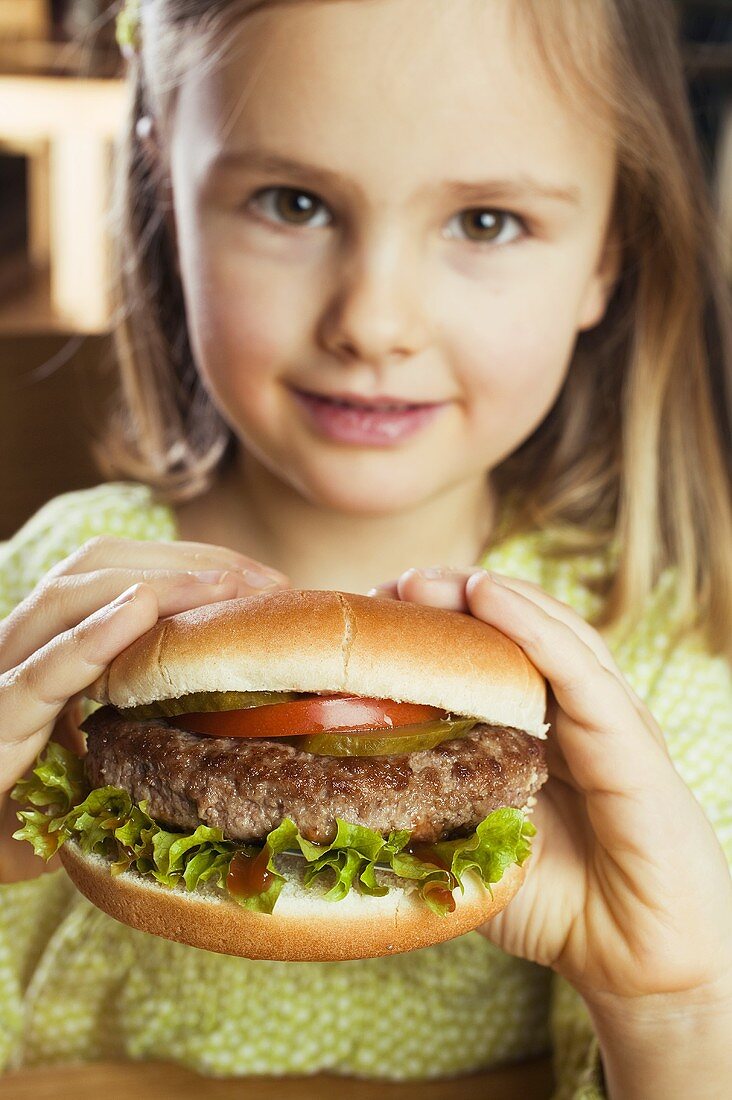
(322, 641)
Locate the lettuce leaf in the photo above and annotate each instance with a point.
(499, 840)
(58, 806)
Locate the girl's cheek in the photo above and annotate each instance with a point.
(519, 348)
(244, 324)
(513, 314)
(511, 370)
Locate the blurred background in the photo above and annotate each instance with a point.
(61, 102)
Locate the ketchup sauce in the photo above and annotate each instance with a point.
(248, 875)
(427, 854)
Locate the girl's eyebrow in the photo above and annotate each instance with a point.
(522, 187)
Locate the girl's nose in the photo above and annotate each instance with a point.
(376, 312)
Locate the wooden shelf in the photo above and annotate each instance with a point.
(33, 108)
(66, 128)
(31, 312)
(39, 57)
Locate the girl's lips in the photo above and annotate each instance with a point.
(366, 425)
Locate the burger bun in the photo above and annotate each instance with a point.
(323, 641)
(307, 927)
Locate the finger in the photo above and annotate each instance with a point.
(589, 635)
(556, 762)
(604, 739)
(557, 766)
(448, 587)
(60, 602)
(441, 586)
(566, 614)
(66, 729)
(35, 693)
(445, 587)
(452, 597)
(107, 551)
(386, 591)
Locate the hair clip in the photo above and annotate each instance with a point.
(127, 28)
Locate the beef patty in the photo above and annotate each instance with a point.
(246, 787)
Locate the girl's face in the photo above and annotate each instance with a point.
(437, 234)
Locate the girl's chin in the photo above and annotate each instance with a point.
(363, 492)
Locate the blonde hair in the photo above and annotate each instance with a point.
(635, 450)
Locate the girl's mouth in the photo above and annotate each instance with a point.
(378, 425)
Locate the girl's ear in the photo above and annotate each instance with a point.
(148, 138)
(602, 283)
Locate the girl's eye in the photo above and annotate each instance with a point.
(487, 226)
(289, 205)
(294, 207)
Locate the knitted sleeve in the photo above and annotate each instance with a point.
(689, 692)
(30, 912)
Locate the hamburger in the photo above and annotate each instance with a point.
(301, 775)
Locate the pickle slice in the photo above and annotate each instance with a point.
(200, 701)
(413, 739)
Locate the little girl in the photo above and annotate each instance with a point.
(487, 333)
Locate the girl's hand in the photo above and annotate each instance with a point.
(85, 611)
(627, 892)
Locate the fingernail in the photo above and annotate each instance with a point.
(264, 571)
(126, 596)
(210, 576)
(438, 572)
(476, 577)
(259, 580)
(279, 577)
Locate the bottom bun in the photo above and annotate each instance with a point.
(303, 927)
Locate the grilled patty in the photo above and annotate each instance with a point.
(246, 787)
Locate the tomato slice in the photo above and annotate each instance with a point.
(316, 714)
